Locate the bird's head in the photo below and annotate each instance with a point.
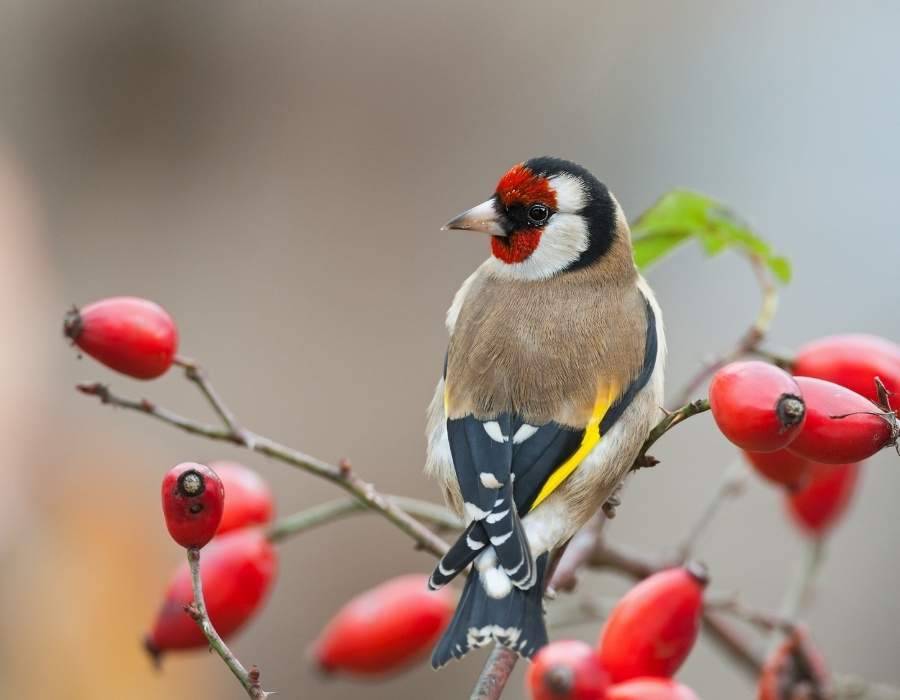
(547, 216)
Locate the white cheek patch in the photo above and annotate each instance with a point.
(570, 195)
(563, 241)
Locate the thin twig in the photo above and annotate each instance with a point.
(102, 392)
(765, 621)
(197, 610)
(601, 556)
(330, 511)
(730, 485)
(754, 335)
(493, 678)
(846, 687)
(342, 476)
(195, 373)
(665, 425)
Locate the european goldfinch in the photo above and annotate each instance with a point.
(552, 380)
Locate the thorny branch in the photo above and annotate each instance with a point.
(197, 611)
(341, 475)
(331, 511)
(409, 515)
(604, 555)
(665, 425)
(496, 673)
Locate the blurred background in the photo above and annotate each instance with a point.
(275, 174)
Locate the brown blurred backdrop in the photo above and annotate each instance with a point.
(275, 174)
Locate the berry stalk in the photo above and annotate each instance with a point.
(248, 679)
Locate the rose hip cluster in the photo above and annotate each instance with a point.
(809, 431)
(219, 508)
(645, 640)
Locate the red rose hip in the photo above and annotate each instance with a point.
(822, 502)
(757, 406)
(193, 499)
(130, 335)
(237, 570)
(652, 629)
(780, 467)
(650, 689)
(248, 498)
(385, 628)
(841, 426)
(567, 670)
(853, 361)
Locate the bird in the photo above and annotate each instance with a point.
(553, 378)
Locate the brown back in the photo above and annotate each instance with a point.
(545, 348)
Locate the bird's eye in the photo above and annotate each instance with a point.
(538, 214)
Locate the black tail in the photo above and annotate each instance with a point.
(459, 556)
(515, 621)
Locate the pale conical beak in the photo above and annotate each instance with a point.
(482, 218)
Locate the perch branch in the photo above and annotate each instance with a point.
(665, 425)
(331, 511)
(342, 475)
(197, 610)
(588, 549)
(496, 673)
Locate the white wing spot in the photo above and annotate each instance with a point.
(500, 539)
(474, 545)
(489, 481)
(444, 572)
(492, 428)
(524, 432)
(497, 517)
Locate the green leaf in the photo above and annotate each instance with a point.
(681, 215)
(781, 268)
(648, 249)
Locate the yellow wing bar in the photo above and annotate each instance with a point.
(588, 442)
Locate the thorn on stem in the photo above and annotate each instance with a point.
(94, 389)
(645, 461)
(192, 610)
(345, 467)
